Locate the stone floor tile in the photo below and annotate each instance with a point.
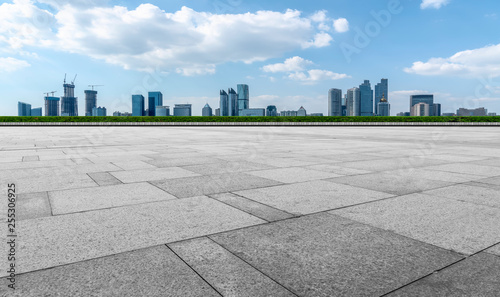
(134, 176)
(332, 168)
(174, 162)
(32, 206)
(104, 178)
(326, 255)
(31, 158)
(469, 193)
(134, 165)
(226, 167)
(293, 175)
(228, 274)
(468, 168)
(459, 226)
(495, 250)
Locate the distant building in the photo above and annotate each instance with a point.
(335, 102)
(478, 112)
(403, 114)
(117, 114)
(383, 107)
(182, 110)
(206, 111)
(243, 98)
(421, 110)
(154, 99)
(138, 106)
(427, 99)
(436, 110)
(162, 111)
(69, 103)
(224, 104)
(316, 114)
(353, 102)
(52, 106)
(90, 101)
(381, 90)
(366, 101)
(301, 112)
(253, 112)
(233, 103)
(492, 114)
(23, 109)
(288, 113)
(217, 112)
(36, 112)
(448, 114)
(121, 114)
(99, 111)
(271, 111)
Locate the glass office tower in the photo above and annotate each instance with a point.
(206, 111)
(243, 98)
(366, 102)
(90, 101)
(233, 103)
(52, 106)
(427, 99)
(381, 90)
(353, 102)
(182, 110)
(138, 105)
(335, 103)
(154, 99)
(224, 104)
(23, 109)
(271, 111)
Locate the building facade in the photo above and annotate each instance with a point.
(52, 106)
(154, 99)
(162, 111)
(217, 112)
(99, 112)
(23, 109)
(243, 97)
(271, 111)
(335, 103)
(427, 99)
(253, 112)
(288, 113)
(69, 103)
(224, 104)
(436, 110)
(383, 107)
(421, 110)
(206, 111)
(301, 112)
(233, 102)
(366, 99)
(36, 112)
(381, 91)
(182, 110)
(90, 101)
(478, 112)
(138, 106)
(353, 102)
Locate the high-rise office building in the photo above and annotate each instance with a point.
(182, 110)
(36, 112)
(154, 99)
(23, 109)
(138, 106)
(233, 102)
(69, 103)
(288, 113)
(383, 107)
(224, 104)
(381, 89)
(353, 102)
(217, 112)
(162, 111)
(99, 112)
(421, 110)
(478, 112)
(301, 112)
(271, 111)
(436, 110)
(90, 101)
(335, 103)
(52, 106)
(427, 99)
(366, 101)
(243, 98)
(206, 111)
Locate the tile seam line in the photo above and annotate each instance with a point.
(232, 206)
(258, 202)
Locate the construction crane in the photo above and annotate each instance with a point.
(74, 79)
(65, 78)
(95, 86)
(53, 92)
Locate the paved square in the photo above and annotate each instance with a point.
(252, 211)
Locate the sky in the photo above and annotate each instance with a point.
(290, 53)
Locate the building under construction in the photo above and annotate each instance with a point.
(69, 103)
(90, 102)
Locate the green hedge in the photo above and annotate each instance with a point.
(249, 119)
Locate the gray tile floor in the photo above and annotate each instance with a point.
(256, 211)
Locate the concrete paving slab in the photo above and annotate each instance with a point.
(134, 176)
(213, 184)
(257, 209)
(495, 250)
(293, 175)
(459, 226)
(104, 179)
(491, 180)
(478, 275)
(228, 274)
(453, 157)
(469, 193)
(422, 173)
(311, 197)
(332, 168)
(78, 200)
(397, 184)
(153, 271)
(488, 162)
(173, 162)
(81, 161)
(391, 164)
(326, 255)
(65, 239)
(133, 165)
(31, 158)
(226, 167)
(468, 168)
(32, 206)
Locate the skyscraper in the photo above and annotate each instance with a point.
(436, 111)
(23, 109)
(381, 89)
(69, 103)
(271, 111)
(366, 102)
(207, 111)
(427, 99)
(52, 106)
(383, 107)
(90, 101)
(353, 102)
(335, 103)
(162, 111)
(36, 112)
(233, 102)
(421, 110)
(182, 110)
(243, 98)
(224, 103)
(138, 105)
(301, 112)
(99, 112)
(154, 99)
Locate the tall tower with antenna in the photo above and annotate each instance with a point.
(90, 100)
(69, 103)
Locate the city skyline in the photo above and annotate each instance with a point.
(331, 46)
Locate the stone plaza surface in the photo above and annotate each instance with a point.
(252, 211)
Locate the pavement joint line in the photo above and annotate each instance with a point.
(150, 182)
(194, 270)
(50, 203)
(275, 208)
(253, 215)
(262, 272)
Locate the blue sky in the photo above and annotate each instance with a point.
(289, 52)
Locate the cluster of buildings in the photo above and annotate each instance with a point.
(155, 106)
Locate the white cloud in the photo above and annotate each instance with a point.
(341, 25)
(185, 41)
(10, 64)
(436, 4)
(319, 16)
(470, 63)
(292, 64)
(316, 75)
